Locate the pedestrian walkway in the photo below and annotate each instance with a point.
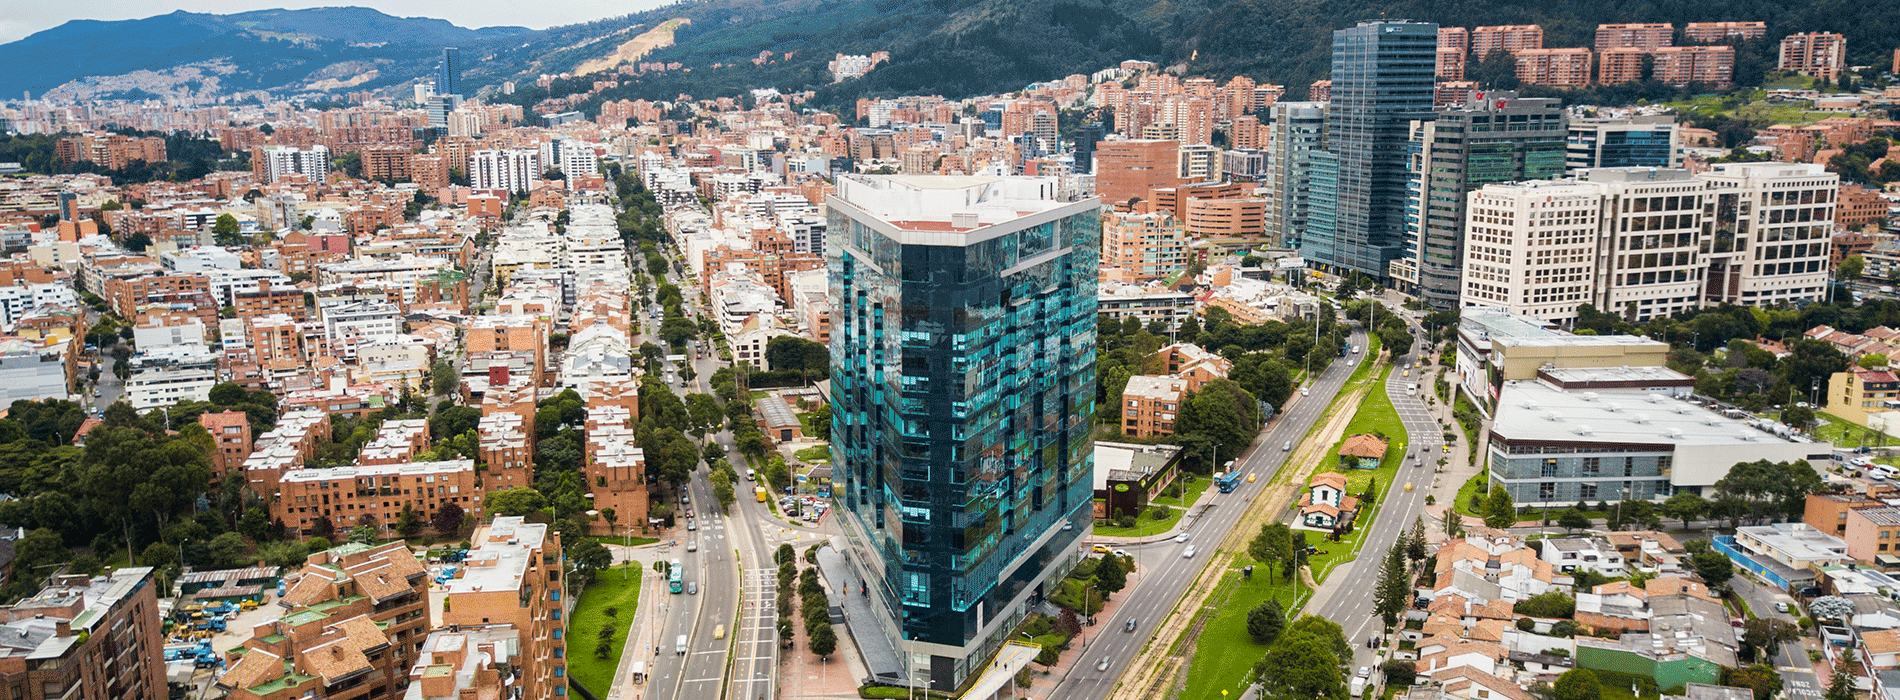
(636, 654)
(877, 650)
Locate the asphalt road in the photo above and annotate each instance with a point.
(1163, 573)
(1791, 660)
(1403, 502)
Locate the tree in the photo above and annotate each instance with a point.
(1577, 684)
(1714, 568)
(442, 377)
(363, 534)
(1400, 673)
(823, 641)
(1841, 685)
(1767, 634)
(225, 230)
(1798, 417)
(1830, 607)
(409, 522)
(1685, 506)
(447, 519)
(1265, 622)
(590, 557)
(1272, 545)
(1498, 511)
(1299, 667)
(453, 421)
(1394, 588)
(1415, 542)
(1453, 524)
(1571, 519)
(1761, 678)
(1547, 604)
(1851, 268)
(1109, 576)
(515, 501)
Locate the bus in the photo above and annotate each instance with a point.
(675, 577)
(1227, 480)
(759, 493)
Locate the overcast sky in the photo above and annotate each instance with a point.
(20, 18)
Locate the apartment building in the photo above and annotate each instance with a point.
(356, 617)
(615, 470)
(1512, 38)
(1647, 37)
(1651, 141)
(511, 170)
(512, 579)
(1858, 393)
(1717, 32)
(231, 430)
(1149, 405)
(1713, 66)
(1819, 54)
(1565, 68)
(373, 495)
(1860, 207)
(1145, 246)
(85, 638)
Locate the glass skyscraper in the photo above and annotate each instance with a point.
(449, 80)
(962, 389)
(1495, 137)
(1383, 75)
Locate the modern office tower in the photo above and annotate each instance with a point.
(1085, 141)
(1499, 138)
(1543, 248)
(1647, 37)
(438, 107)
(1131, 169)
(449, 80)
(1297, 130)
(963, 384)
(1566, 68)
(1382, 75)
(1641, 141)
(278, 162)
(514, 170)
(1717, 32)
(1510, 37)
(1819, 54)
(1650, 242)
(1771, 233)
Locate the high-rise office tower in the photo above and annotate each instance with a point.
(449, 81)
(1085, 141)
(1297, 129)
(963, 385)
(1498, 137)
(1382, 77)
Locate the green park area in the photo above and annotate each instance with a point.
(606, 604)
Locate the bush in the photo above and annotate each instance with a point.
(1546, 604)
(1158, 513)
(1526, 624)
(1125, 521)
(1400, 673)
(1565, 628)
(1038, 625)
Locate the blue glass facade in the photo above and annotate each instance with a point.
(1383, 75)
(962, 388)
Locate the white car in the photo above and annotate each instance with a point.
(1183, 537)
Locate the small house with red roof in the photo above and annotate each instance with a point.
(1325, 506)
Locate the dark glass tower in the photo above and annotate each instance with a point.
(449, 81)
(1383, 74)
(1495, 137)
(962, 389)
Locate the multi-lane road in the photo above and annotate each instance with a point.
(1163, 573)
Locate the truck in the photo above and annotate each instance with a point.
(1227, 480)
(1358, 686)
(758, 492)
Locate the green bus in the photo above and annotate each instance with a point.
(675, 577)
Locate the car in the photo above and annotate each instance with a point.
(1781, 606)
(1250, 478)
(1129, 626)
(1304, 391)
(1288, 447)
(1364, 672)
(1121, 552)
(691, 526)
(1183, 537)
(686, 500)
(1102, 665)
(692, 545)
(1101, 549)
(1810, 592)
(692, 588)
(1188, 553)
(719, 632)
(689, 514)
(1406, 373)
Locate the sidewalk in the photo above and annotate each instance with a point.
(804, 675)
(1044, 680)
(640, 636)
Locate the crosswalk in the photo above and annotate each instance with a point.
(755, 649)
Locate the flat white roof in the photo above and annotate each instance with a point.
(1535, 411)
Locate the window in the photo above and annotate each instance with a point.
(1586, 490)
(1591, 465)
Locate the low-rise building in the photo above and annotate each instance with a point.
(1149, 405)
(355, 617)
(1584, 553)
(372, 495)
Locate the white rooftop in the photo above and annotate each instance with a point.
(1535, 411)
